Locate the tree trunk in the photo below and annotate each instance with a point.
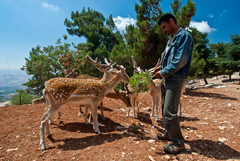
(205, 81)
(230, 77)
(20, 99)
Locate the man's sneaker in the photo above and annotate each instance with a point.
(174, 148)
(163, 136)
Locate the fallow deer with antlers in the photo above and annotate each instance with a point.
(106, 77)
(59, 92)
(154, 87)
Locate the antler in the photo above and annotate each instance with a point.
(97, 64)
(157, 65)
(106, 61)
(121, 67)
(136, 68)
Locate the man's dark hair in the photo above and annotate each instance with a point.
(166, 18)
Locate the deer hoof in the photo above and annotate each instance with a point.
(99, 134)
(43, 148)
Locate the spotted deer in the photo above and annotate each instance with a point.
(127, 97)
(106, 77)
(59, 92)
(154, 88)
(71, 74)
(133, 100)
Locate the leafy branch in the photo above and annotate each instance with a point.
(139, 82)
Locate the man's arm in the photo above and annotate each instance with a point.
(181, 57)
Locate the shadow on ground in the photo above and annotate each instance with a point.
(211, 95)
(210, 149)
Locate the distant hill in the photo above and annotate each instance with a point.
(10, 80)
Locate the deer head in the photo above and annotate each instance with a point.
(105, 68)
(72, 74)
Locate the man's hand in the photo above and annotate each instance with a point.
(156, 75)
(156, 70)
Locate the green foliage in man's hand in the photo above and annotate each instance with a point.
(139, 82)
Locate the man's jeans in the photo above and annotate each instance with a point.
(171, 92)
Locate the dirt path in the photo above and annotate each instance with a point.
(210, 126)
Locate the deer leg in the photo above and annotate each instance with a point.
(42, 144)
(133, 107)
(128, 111)
(101, 107)
(90, 118)
(180, 107)
(153, 105)
(44, 125)
(80, 111)
(46, 119)
(137, 105)
(86, 114)
(157, 103)
(93, 108)
(47, 129)
(59, 115)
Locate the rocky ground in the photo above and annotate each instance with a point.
(210, 126)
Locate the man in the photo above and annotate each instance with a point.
(174, 69)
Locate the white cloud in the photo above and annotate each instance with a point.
(202, 26)
(210, 15)
(224, 12)
(50, 6)
(121, 22)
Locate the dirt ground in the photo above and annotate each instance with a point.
(210, 126)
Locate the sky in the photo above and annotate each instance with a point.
(24, 24)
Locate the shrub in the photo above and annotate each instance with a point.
(22, 98)
(139, 82)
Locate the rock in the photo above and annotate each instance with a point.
(151, 158)
(153, 148)
(151, 141)
(221, 127)
(220, 87)
(222, 139)
(200, 136)
(14, 149)
(122, 110)
(167, 157)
